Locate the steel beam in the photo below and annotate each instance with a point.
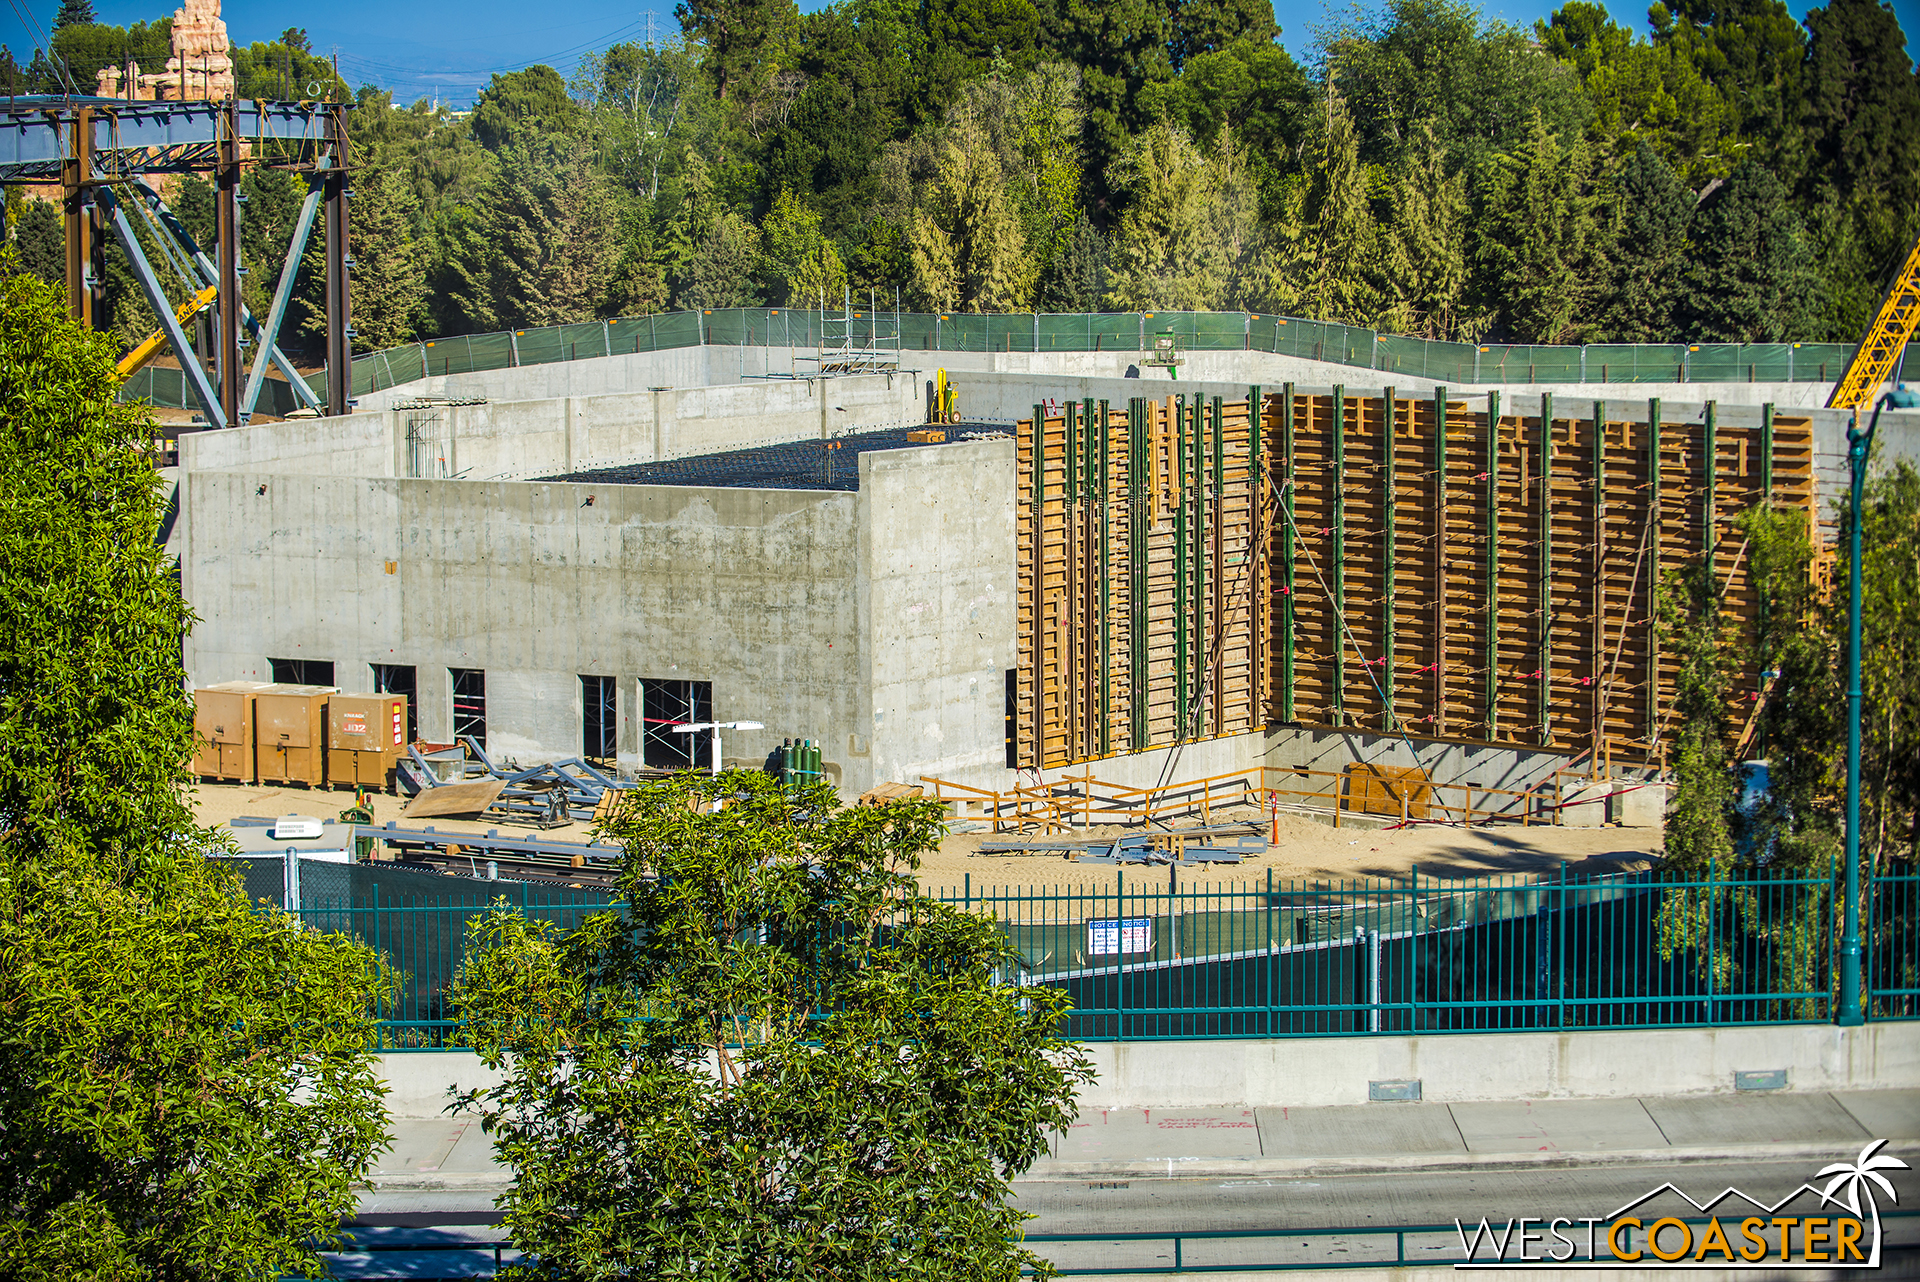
(195, 372)
(1651, 578)
(202, 272)
(1597, 505)
(1257, 607)
(269, 335)
(76, 177)
(1709, 532)
(1038, 561)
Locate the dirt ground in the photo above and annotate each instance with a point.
(1307, 849)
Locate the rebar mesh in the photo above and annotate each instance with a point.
(791, 465)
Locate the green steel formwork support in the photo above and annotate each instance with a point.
(1105, 499)
(1137, 527)
(1493, 566)
(1257, 551)
(1440, 560)
(1766, 453)
(1544, 672)
(1039, 585)
(1709, 536)
(1339, 556)
(1181, 623)
(1287, 554)
(1390, 538)
(1071, 678)
(1197, 531)
(1652, 576)
(1217, 664)
(1598, 505)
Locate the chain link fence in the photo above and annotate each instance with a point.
(1131, 332)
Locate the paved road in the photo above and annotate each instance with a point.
(1341, 1202)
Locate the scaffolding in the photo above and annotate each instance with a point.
(854, 342)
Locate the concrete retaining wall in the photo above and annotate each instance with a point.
(1311, 1072)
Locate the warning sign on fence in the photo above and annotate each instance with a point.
(1119, 935)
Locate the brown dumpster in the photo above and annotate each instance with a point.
(290, 733)
(223, 730)
(366, 733)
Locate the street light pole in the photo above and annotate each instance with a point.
(1859, 447)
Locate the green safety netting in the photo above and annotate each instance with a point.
(804, 329)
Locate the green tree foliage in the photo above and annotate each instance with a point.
(775, 1058)
(185, 1084)
(521, 104)
(801, 265)
(1648, 214)
(725, 266)
(389, 274)
(73, 13)
(1694, 625)
(1751, 274)
(82, 48)
(41, 241)
(1752, 53)
(541, 248)
(1536, 237)
(1427, 271)
(745, 44)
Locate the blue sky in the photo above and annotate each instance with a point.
(450, 47)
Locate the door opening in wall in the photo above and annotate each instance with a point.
(599, 720)
(666, 704)
(401, 678)
(469, 703)
(302, 672)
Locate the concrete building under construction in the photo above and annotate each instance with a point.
(1245, 565)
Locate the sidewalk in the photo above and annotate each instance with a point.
(453, 1153)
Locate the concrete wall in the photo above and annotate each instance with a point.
(1312, 1072)
(597, 376)
(753, 590)
(937, 588)
(521, 439)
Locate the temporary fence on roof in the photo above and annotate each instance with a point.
(930, 333)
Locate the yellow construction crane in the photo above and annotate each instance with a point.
(147, 350)
(1893, 325)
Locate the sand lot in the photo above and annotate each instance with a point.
(1307, 850)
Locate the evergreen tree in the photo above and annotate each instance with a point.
(74, 13)
(1343, 233)
(1077, 279)
(389, 275)
(1535, 226)
(523, 103)
(1749, 279)
(801, 265)
(745, 42)
(1650, 212)
(1428, 263)
(968, 251)
(721, 273)
(41, 239)
(1752, 52)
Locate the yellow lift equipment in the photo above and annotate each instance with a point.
(1879, 351)
(147, 350)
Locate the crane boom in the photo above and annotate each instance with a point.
(1893, 325)
(150, 348)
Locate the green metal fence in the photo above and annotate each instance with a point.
(1146, 958)
(1389, 354)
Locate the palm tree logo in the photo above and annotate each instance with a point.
(1853, 1179)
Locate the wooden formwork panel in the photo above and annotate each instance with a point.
(1417, 563)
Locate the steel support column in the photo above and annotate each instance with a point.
(1709, 533)
(1651, 577)
(76, 178)
(226, 212)
(1597, 505)
(1287, 554)
(1139, 692)
(1181, 620)
(1339, 557)
(1544, 659)
(339, 294)
(1766, 452)
(268, 338)
(1105, 500)
(1258, 708)
(1038, 560)
(1217, 677)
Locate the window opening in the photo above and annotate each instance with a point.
(469, 703)
(302, 672)
(599, 720)
(401, 678)
(666, 704)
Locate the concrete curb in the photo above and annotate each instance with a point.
(1228, 1167)
(1189, 1168)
